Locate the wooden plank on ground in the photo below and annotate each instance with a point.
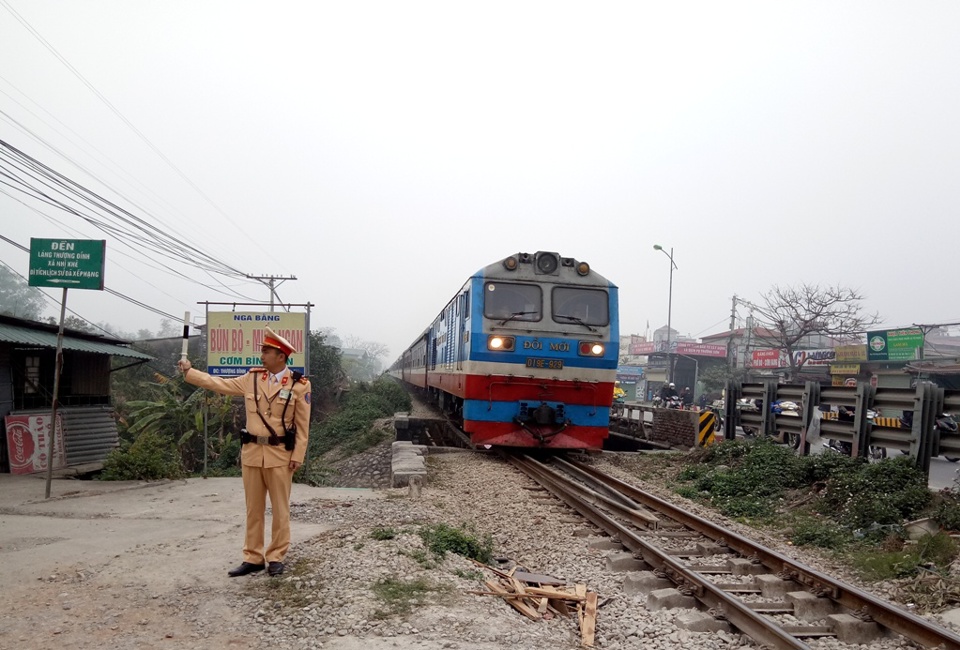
(514, 601)
(544, 603)
(538, 578)
(581, 591)
(552, 593)
(589, 628)
(560, 607)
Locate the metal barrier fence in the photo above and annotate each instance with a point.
(842, 414)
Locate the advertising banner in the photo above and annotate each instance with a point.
(642, 347)
(894, 345)
(686, 348)
(234, 339)
(27, 441)
(767, 358)
(851, 353)
(701, 350)
(821, 357)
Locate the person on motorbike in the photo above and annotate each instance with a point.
(667, 391)
(686, 397)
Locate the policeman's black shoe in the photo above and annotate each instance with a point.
(275, 568)
(244, 569)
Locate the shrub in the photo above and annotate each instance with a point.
(880, 494)
(440, 538)
(947, 510)
(150, 457)
(819, 531)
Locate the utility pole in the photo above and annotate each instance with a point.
(733, 327)
(272, 281)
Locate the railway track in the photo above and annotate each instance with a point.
(757, 590)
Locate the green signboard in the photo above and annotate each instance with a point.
(894, 345)
(67, 263)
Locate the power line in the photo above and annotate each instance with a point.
(121, 116)
(135, 232)
(133, 301)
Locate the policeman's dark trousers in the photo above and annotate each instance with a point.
(258, 482)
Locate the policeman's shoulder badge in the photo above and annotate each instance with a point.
(254, 370)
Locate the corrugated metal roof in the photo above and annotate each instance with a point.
(39, 338)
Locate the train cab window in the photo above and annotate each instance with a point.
(578, 305)
(517, 302)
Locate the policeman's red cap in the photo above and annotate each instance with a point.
(274, 340)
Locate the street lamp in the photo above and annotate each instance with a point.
(673, 265)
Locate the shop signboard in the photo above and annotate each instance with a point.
(845, 369)
(629, 373)
(851, 353)
(234, 339)
(895, 345)
(767, 358)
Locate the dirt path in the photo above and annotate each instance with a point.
(128, 565)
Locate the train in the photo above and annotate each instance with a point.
(524, 354)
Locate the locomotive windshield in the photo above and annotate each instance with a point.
(509, 301)
(578, 305)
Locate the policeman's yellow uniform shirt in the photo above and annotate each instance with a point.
(271, 399)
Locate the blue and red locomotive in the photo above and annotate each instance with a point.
(525, 354)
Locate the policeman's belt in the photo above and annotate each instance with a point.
(260, 440)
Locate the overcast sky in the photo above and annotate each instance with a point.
(382, 152)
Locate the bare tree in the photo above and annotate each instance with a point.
(792, 314)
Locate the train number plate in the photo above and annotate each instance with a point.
(549, 364)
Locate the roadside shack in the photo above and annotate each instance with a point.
(86, 416)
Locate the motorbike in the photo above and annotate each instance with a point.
(945, 424)
(778, 407)
(672, 402)
(745, 405)
(847, 414)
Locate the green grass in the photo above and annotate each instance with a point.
(398, 597)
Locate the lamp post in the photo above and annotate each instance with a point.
(673, 265)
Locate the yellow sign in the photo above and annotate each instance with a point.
(234, 339)
(845, 369)
(851, 352)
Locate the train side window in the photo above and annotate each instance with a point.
(575, 304)
(520, 302)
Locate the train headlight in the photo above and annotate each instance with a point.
(547, 263)
(499, 343)
(591, 349)
(510, 263)
(583, 268)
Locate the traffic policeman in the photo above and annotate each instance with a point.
(274, 443)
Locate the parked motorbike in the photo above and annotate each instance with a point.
(945, 424)
(745, 405)
(847, 414)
